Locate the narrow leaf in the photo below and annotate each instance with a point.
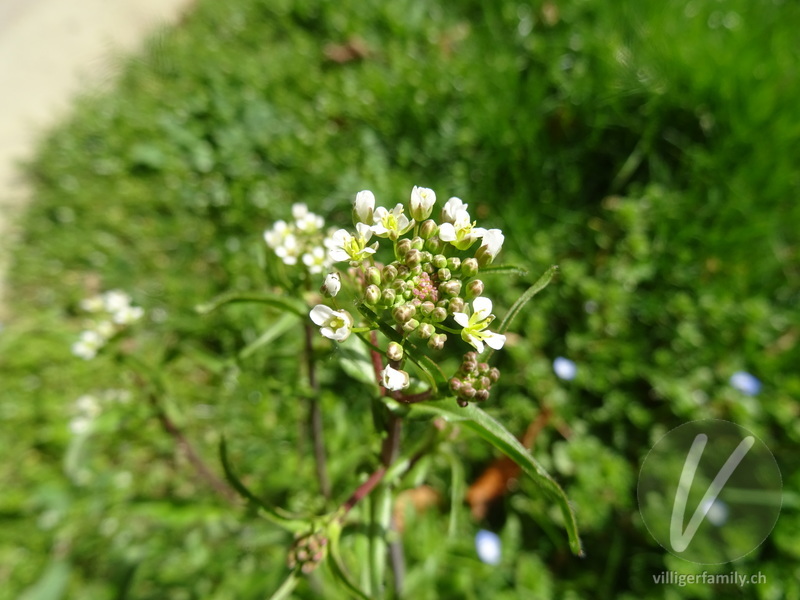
(493, 432)
(287, 587)
(289, 523)
(273, 332)
(337, 564)
(274, 300)
(537, 287)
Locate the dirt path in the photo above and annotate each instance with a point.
(49, 51)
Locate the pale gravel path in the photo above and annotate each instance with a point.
(49, 51)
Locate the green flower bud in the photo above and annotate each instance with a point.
(467, 392)
(404, 312)
(455, 384)
(428, 229)
(389, 296)
(413, 258)
(403, 271)
(389, 273)
(403, 246)
(454, 263)
(439, 261)
(418, 243)
(439, 314)
(426, 308)
(373, 275)
(436, 342)
(410, 325)
(399, 286)
(484, 383)
(469, 268)
(394, 352)
(494, 374)
(474, 288)
(481, 395)
(452, 288)
(457, 305)
(372, 295)
(444, 274)
(434, 245)
(426, 330)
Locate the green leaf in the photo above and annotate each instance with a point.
(356, 360)
(537, 287)
(289, 523)
(457, 484)
(493, 432)
(52, 585)
(337, 564)
(273, 332)
(280, 302)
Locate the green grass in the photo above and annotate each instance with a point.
(650, 151)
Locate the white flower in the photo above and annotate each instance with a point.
(105, 328)
(128, 315)
(364, 206)
(316, 260)
(491, 244)
(475, 330)
(461, 232)
(115, 300)
(93, 304)
(305, 220)
(88, 344)
(332, 284)
(452, 209)
(288, 250)
(275, 236)
(334, 324)
(421, 204)
(564, 368)
(88, 405)
(299, 211)
(391, 224)
(487, 545)
(345, 246)
(394, 379)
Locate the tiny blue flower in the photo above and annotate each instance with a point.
(745, 383)
(487, 544)
(565, 368)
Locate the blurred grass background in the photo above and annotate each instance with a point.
(649, 149)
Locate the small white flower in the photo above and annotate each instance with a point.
(299, 211)
(80, 425)
(421, 203)
(93, 304)
(305, 220)
(394, 379)
(275, 236)
(332, 284)
(487, 545)
(289, 250)
(345, 246)
(364, 206)
(128, 315)
(461, 232)
(88, 344)
(391, 224)
(316, 260)
(452, 209)
(333, 324)
(491, 244)
(105, 328)
(88, 405)
(115, 300)
(564, 368)
(475, 330)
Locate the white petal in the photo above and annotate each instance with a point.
(447, 233)
(494, 340)
(482, 307)
(462, 319)
(321, 314)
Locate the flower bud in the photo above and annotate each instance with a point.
(426, 308)
(373, 275)
(399, 286)
(403, 246)
(483, 368)
(455, 384)
(481, 395)
(428, 229)
(467, 392)
(421, 203)
(331, 286)
(439, 261)
(469, 268)
(434, 244)
(403, 313)
(436, 341)
(484, 383)
(494, 374)
(372, 295)
(402, 271)
(426, 330)
(474, 288)
(410, 325)
(389, 273)
(394, 352)
(439, 314)
(413, 258)
(389, 296)
(457, 305)
(452, 288)
(418, 243)
(444, 274)
(454, 263)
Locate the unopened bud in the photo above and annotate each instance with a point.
(426, 308)
(455, 384)
(428, 229)
(403, 313)
(469, 268)
(436, 341)
(373, 275)
(451, 288)
(467, 391)
(413, 258)
(417, 243)
(410, 325)
(439, 314)
(457, 305)
(494, 374)
(372, 295)
(481, 395)
(484, 383)
(439, 261)
(444, 274)
(389, 273)
(402, 271)
(331, 286)
(394, 352)
(403, 246)
(425, 331)
(454, 263)
(474, 288)
(389, 296)
(434, 245)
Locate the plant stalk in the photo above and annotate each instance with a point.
(315, 417)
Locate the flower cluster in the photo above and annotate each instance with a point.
(308, 551)
(112, 312)
(473, 380)
(302, 240)
(411, 272)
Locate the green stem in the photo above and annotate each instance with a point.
(315, 417)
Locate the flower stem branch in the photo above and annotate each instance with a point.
(315, 417)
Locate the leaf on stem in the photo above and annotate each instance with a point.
(287, 587)
(337, 564)
(280, 302)
(537, 287)
(502, 439)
